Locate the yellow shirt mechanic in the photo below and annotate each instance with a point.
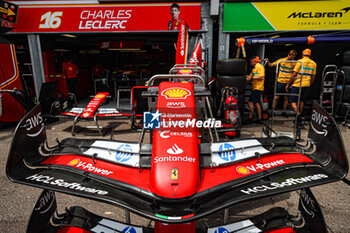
(285, 71)
(309, 70)
(257, 77)
(307, 75)
(258, 71)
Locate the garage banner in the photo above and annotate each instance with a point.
(287, 16)
(103, 17)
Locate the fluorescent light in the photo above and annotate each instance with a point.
(69, 35)
(61, 50)
(134, 51)
(127, 50)
(124, 49)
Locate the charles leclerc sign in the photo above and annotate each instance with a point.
(103, 17)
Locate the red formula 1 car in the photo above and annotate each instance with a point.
(183, 175)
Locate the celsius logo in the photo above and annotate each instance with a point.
(319, 120)
(33, 123)
(124, 153)
(168, 134)
(227, 152)
(324, 14)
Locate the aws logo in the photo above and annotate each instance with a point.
(34, 125)
(47, 199)
(324, 14)
(319, 123)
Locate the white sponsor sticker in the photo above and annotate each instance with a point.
(109, 226)
(287, 182)
(227, 152)
(61, 183)
(107, 110)
(77, 110)
(123, 153)
(243, 226)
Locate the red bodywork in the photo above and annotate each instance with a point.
(91, 109)
(94, 104)
(12, 111)
(175, 159)
(182, 44)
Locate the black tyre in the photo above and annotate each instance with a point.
(231, 67)
(346, 94)
(232, 81)
(341, 108)
(346, 58)
(346, 70)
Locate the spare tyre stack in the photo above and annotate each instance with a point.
(231, 73)
(343, 84)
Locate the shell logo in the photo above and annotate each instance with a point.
(74, 162)
(176, 93)
(185, 71)
(242, 170)
(100, 96)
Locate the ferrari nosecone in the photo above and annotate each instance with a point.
(175, 160)
(177, 179)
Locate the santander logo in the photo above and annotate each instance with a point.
(175, 150)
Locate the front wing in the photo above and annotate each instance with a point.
(69, 168)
